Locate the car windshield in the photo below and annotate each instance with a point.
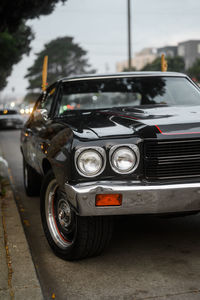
(130, 91)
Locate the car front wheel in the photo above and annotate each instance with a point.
(70, 236)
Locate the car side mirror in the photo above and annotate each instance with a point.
(41, 114)
(44, 113)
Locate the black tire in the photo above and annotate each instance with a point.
(70, 236)
(32, 180)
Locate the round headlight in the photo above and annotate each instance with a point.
(89, 163)
(124, 160)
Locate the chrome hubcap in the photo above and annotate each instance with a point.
(64, 214)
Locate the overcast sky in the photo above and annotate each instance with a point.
(100, 27)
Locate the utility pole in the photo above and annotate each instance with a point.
(129, 33)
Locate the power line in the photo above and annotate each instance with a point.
(129, 33)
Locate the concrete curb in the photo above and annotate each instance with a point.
(18, 278)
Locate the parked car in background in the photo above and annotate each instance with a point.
(10, 118)
(107, 145)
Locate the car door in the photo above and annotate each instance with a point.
(28, 137)
(39, 127)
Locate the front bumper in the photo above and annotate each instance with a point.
(137, 198)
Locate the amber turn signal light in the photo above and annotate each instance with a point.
(108, 200)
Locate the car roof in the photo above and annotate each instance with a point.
(122, 74)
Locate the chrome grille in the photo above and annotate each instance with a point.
(172, 159)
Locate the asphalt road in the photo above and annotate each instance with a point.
(148, 257)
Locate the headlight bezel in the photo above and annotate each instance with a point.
(100, 151)
(134, 148)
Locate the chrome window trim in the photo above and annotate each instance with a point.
(134, 148)
(125, 75)
(100, 150)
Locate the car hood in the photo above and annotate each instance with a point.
(145, 122)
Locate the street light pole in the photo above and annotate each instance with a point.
(129, 33)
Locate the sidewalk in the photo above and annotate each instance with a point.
(18, 279)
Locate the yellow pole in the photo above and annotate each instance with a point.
(163, 63)
(44, 73)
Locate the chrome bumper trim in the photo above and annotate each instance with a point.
(138, 198)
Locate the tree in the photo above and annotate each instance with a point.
(12, 47)
(15, 35)
(13, 13)
(31, 98)
(175, 64)
(194, 71)
(65, 57)
(129, 70)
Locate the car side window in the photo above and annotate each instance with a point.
(46, 102)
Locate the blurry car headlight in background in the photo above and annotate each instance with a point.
(124, 159)
(90, 161)
(26, 110)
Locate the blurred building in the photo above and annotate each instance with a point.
(190, 51)
(169, 51)
(145, 56)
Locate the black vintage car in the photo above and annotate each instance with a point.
(105, 145)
